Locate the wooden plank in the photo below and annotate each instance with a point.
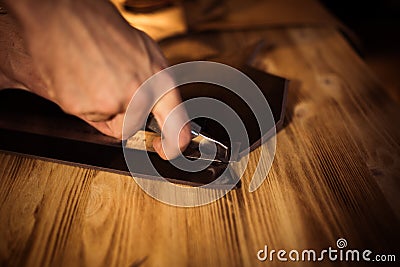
(339, 148)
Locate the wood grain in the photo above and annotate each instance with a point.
(335, 174)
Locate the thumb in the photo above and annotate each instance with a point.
(172, 118)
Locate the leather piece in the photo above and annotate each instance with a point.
(31, 125)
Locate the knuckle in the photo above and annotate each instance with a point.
(70, 107)
(102, 110)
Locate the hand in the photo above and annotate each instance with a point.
(90, 61)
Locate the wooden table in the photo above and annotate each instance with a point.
(335, 175)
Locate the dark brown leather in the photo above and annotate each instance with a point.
(31, 125)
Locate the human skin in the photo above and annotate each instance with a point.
(82, 55)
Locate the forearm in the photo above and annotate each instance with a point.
(29, 10)
(15, 61)
(37, 14)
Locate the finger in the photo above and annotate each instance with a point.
(113, 127)
(97, 117)
(172, 119)
(101, 126)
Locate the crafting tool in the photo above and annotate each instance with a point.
(202, 146)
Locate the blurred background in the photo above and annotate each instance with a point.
(376, 23)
